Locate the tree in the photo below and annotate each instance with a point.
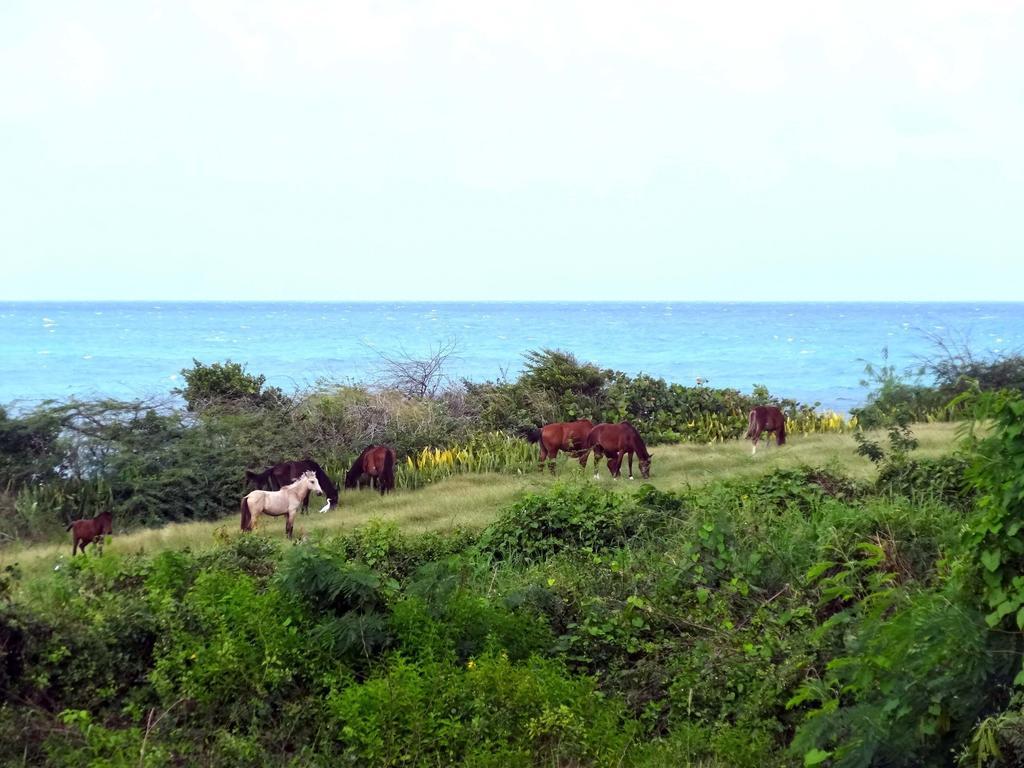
(226, 385)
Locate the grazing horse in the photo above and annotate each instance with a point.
(568, 436)
(766, 418)
(276, 477)
(90, 530)
(614, 440)
(276, 503)
(377, 461)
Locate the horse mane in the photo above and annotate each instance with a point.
(326, 484)
(641, 446)
(352, 476)
(532, 435)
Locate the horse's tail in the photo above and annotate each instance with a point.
(70, 526)
(532, 435)
(751, 424)
(387, 475)
(780, 438)
(246, 515)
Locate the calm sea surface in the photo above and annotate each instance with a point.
(809, 351)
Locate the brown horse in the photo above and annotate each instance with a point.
(614, 440)
(90, 530)
(276, 503)
(377, 461)
(766, 418)
(276, 477)
(568, 436)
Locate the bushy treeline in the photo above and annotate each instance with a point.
(929, 392)
(184, 459)
(798, 618)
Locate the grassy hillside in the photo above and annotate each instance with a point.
(472, 501)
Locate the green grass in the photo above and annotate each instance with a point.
(472, 501)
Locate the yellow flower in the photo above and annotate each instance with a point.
(470, 664)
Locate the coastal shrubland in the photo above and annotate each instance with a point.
(183, 459)
(840, 602)
(796, 615)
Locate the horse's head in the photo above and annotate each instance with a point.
(106, 521)
(255, 479)
(312, 483)
(645, 468)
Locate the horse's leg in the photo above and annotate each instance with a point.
(552, 455)
(615, 464)
(598, 453)
(755, 439)
(630, 455)
(290, 522)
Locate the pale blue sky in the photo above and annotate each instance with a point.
(462, 149)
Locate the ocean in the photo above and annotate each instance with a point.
(813, 352)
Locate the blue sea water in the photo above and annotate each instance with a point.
(813, 352)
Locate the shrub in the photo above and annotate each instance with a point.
(580, 517)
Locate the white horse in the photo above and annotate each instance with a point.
(276, 503)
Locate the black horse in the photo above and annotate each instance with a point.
(276, 477)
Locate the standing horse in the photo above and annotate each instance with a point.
(377, 461)
(614, 440)
(276, 477)
(90, 530)
(766, 418)
(568, 436)
(276, 503)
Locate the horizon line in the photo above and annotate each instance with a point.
(509, 301)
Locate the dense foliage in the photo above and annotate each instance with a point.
(795, 618)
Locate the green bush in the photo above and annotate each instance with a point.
(578, 517)
(490, 711)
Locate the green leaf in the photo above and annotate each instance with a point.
(990, 558)
(816, 757)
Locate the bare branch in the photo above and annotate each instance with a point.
(417, 377)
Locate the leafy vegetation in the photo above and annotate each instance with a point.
(801, 615)
(797, 617)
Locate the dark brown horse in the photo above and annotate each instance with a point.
(766, 418)
(614, 440)
(91, 530)
(278, 476)
(376, 461)
(568, 436)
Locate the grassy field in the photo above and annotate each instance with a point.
(472, 501)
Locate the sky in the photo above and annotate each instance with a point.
(468, 150)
